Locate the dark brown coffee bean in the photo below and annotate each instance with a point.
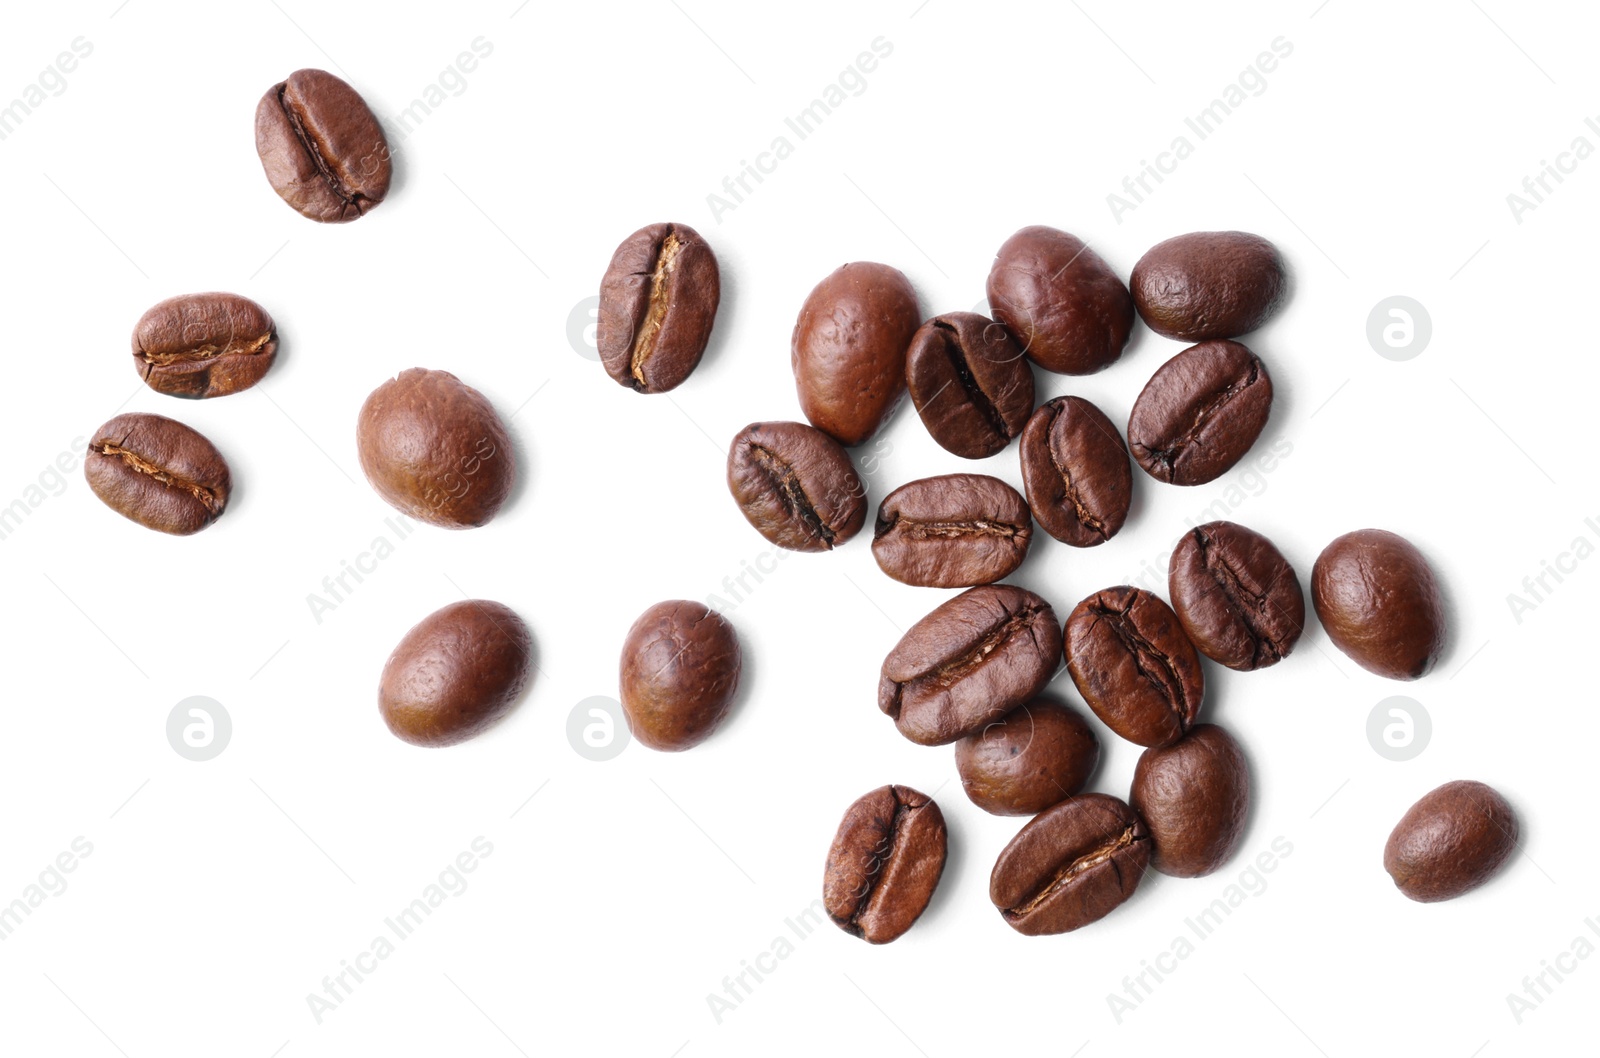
(1209, 284)
(1377, 597)
(323, 151)
(972, 660)
(658, 300)
(1194, 796)
(1237, 596)
(952, 531)
(969, 382)
(796, 485)
(1134, 665)
(885, 863)
(158, 472)
(849, 349)
(1075, 469)
(680, 671)
(457, 672)
(434, 448)
(1062, 302)
(1450, 842)
(1033, 757)
(204, 345)
(1071, 865)
(1200, 413)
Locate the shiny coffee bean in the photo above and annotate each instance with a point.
(849, 349)
(680, 671)
(1209, 284)
(658, 300)
(1134, 665)
(1060, 300)
(885, 863)
(1076, 472)
(1236, 595)
(952, 531)
(1194, 796)
(1071, 865)
(1200, 413)
(970, 383)
(204, 345)
(1033, 757)
(323, 151)
(1376, 595)
(796, 485)
(457, 672)
(1450, 842)
(158, 472)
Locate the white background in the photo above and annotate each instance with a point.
(218, 895)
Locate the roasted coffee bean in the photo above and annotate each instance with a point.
(1450, 842)
(457, 672)
(1062, 302)
(658, 300)
(204, 345)
(323, 151)
(1076, 472)
(1377, 597)
(680, 671)
(972, 660)
(1237, 596)
(1033, 757)
(1134, 665)
(434, 448)
(1071, 865)
(1194, 796)
(849, 349)
(796, 485)
(952, 531)
(1200, 413)
(969, 382)
(158, 472)
(885, 863)
(1209, 284)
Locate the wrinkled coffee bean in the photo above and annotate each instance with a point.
(1075, 470)
(680, 671)
(1376, 595)
(434, 449)
(1200, 413)
(972, 660)
(323, 151)
(204, 345)
(1236, 595)
(1033, 757)
(158, 472)
(849, 349)
(952, 531)
(970, 383)
(1193, 796)
(1450, 842)
(1062, 302)
(1071, 865)
(796, 485)
(658, 300)
(1209, 284)
(885, 863)
(457, 672)
(1134, 665)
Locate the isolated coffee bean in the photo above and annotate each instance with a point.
(158, 472)
(849, 349)
(1450, 842)
(972, 660)
(457, 672)
(952, 531)
(1071, 865)
(1033, 757)
(1200, 413)
(1193, 796)
(1062, 302)
(1376, 595)
(1134, 665)
(323, 151)
(680, 671)
(796, 485)
(658, 300)
(204, 345)
(434, 449)
(1075, 470)
(1209, 284)
(885, 863)
(970, 383)
(1236, 595)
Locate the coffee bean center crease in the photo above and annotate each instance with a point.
(166, 477)
(1072, 869)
